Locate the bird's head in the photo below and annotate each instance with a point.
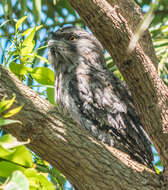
(69, 45)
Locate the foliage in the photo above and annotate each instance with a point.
(21, 55)
(17, 170)
(160, 12)
(160, 41)
(6, 113)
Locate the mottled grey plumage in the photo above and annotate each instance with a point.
(89, 93)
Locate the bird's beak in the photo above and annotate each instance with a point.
(51, 41)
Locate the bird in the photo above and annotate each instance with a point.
(91, 95)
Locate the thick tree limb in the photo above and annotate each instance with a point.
(114, 23)
(87, 163)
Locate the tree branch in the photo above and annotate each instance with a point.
(87, 163)
(161, 12)
(114, 23)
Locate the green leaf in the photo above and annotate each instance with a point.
(21, 156)
(42, 47)
(8, 141)
(50, 95)
(27, 49)
(42, 58)
(14, 151)
(38, 180)
(28, 43)
(5, 22)
(10, 8)
(6, 104)
(157, 170)
(18, 69)
(43, 75)
(118, 75)
(161, 42)
(19, 22)
(17, 181)
(58, 177)
(27, 58)
(23, 6)
(14, 144)
(6, 8)
(7, 138)
(8, 121)
(12, 112)
(2, 180)
(158, 163)
(37, 9)
(29, 69)
(5, 152)
(28, 31)
(6, 168)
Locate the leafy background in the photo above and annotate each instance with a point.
(24, 28)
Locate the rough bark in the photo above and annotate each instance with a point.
(88, 164)
(114, 23)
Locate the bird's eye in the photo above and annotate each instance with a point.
(72, 38)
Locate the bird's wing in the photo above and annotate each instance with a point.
(107, 110)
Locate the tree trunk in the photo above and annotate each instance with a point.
(114, 22)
